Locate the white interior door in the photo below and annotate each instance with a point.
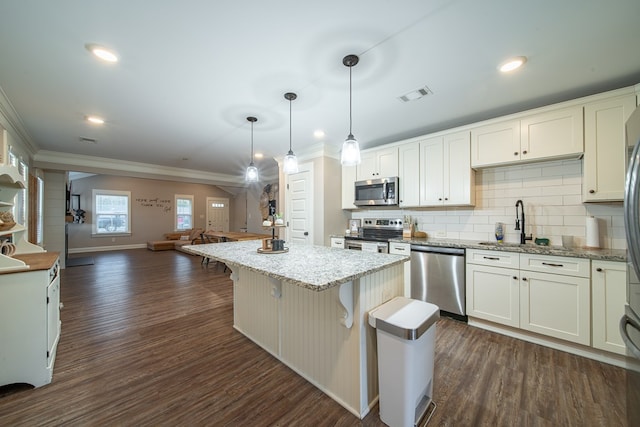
(300, 206)
(217, 214)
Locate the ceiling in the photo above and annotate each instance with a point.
(190, 72)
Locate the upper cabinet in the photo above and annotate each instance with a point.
(409, 174)
(605, 153)
(348, 187)
(446, 175)
(547, 135)
(378, 163)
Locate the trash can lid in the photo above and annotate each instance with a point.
(404, 317)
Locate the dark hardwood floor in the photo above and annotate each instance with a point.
(147, 339)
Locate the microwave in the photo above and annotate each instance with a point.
(377, 192)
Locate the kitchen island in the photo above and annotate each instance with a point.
(308, 308)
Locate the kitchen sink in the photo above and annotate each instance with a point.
(520, 245)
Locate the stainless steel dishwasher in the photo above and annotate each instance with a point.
(437, 276)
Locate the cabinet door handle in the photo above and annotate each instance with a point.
(599, 270)
(399, 249)
(524, 152)
(515, 277)
(491, 258)
(592, 191)
(524, 279)
(446, 198)
(550, 264)
(515, 153)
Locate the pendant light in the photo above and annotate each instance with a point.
(350, 147)
(252, 170)
(290, 160)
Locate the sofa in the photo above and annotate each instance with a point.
(176, 240)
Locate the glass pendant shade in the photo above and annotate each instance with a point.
(252, 171)
(350, 152)
(290, 163)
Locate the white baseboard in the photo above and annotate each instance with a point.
(580, 350)
(107, 248)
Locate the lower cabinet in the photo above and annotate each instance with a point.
(30, 323)
(493, 293)
(337, 242)
(555, 305)
(400, 248)
(544, 294)
(609, 294)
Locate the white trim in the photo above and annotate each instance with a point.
(94, 222)
(175, 216)
(557, 344)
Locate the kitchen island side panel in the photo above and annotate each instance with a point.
(340, 361)
(255, 310)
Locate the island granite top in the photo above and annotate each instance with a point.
(313, 267)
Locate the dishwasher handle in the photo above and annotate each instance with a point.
(438, 250)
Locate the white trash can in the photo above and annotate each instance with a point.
(406, 332)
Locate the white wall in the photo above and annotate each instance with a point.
(552, 196)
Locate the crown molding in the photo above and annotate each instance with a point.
(54, 160)
(13, 124)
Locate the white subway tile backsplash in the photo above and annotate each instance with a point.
(552, 196)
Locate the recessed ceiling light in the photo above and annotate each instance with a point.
(512, 63)
(318, 133)
(95, 120)
(102, 52)
(258, 155)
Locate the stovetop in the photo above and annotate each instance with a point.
(378, 230)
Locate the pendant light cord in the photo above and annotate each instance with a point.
(350, 108)
(290, 100)
(251, 160)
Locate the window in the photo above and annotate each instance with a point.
(184, 212)
(20, 202)
(111, 212)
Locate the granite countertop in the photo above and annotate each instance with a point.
(313, 267)
(528, 248)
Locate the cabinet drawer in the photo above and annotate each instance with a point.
(399, 248)
(578, 267)
(337, 242)
(494, 258)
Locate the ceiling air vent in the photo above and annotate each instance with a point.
(88, 140)
(415, 94)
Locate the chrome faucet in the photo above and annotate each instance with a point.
(520, 223)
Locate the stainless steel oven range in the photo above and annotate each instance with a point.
(375, 235)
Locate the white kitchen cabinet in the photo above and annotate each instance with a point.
(608, 296)
(556, 305)
(541, 136)
(492, 281)
(495, 144)
(30, 320)
(605, 152)
(548, 295)
(446, 175)
(399, 248)
(337, 242)
(493, 294)
(409, 174)
(348, 187)
(378, 163)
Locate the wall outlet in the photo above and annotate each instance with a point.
(441, 233)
